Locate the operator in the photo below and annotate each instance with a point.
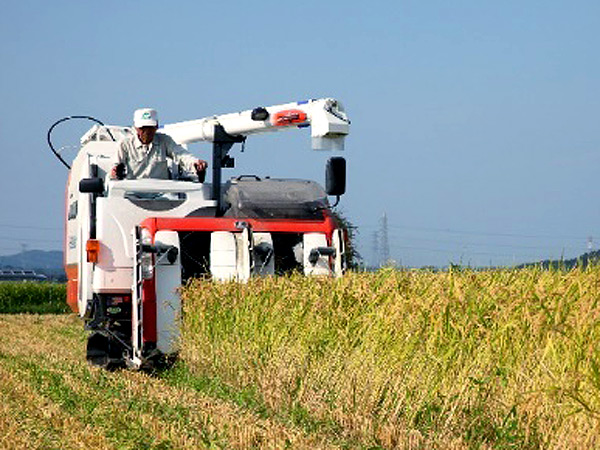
(144, 154)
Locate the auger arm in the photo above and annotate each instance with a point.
(326, 118)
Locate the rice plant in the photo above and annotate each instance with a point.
(461, 358)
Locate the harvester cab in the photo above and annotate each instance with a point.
(130, 243)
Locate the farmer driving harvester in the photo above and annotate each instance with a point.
(130, 245)
(144, 153)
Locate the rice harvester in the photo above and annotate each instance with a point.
(131, 243)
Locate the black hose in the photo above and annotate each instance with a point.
(64, 119)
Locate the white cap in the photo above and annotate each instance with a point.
(145, 117)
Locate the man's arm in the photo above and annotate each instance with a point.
(184, 158)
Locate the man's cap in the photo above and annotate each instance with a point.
(145, 117)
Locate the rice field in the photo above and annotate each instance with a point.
(459, 359)
(412, 359)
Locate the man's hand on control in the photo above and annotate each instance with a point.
(118, 172)
(200, 165)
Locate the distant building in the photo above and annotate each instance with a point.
(21, 275)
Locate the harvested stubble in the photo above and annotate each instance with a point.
(454, 359)
(51, 399)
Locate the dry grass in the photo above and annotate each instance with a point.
(28, 420)
(412, 359)
(50, 398)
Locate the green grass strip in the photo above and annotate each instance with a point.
(109, 404)
(34, 298)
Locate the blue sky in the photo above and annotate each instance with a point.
(474, 124)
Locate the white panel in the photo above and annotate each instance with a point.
(168, 302)
(311, 241)
(85, 269)
(243, 254)
(114, 281)
(340, 252)
(223, 257)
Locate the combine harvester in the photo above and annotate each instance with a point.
(130, 244)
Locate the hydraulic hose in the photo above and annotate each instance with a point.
(64, 119)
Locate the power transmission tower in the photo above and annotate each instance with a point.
(385, 242)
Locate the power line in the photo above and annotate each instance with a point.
(462, 251)
(3, 247)
(475, 244)
(476, 233)
(29, 227)
(13, 239)
(480, 244)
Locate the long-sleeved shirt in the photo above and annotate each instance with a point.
(150, 161)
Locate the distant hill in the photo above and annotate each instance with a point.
(49, 263)
(592, 257)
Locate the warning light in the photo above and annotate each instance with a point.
(289, 117)
(92, 248)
